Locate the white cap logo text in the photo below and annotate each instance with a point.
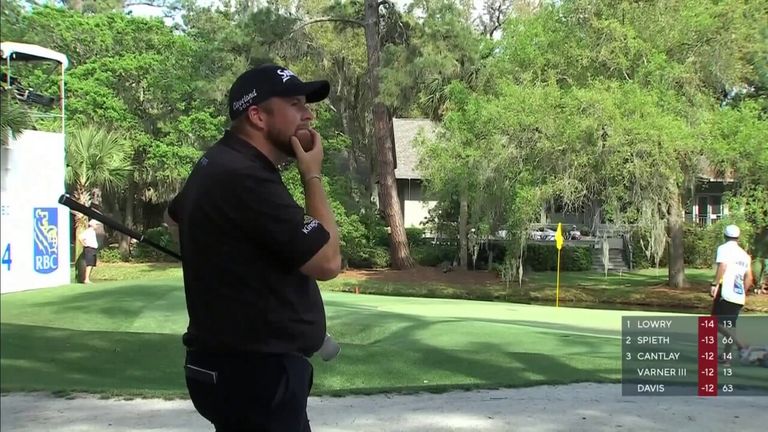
(243, 101)
(285, 74)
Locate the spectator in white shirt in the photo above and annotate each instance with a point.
(90, 248)
(733, 279)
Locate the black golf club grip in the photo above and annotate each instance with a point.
(66, 200)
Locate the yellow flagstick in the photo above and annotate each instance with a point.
(559, 243)
(557, 298)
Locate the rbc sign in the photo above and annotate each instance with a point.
(35, 235)
(46, 244)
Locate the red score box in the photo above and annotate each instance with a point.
(707, 334)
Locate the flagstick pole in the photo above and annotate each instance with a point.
(557, 295)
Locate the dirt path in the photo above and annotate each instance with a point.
(579, 407)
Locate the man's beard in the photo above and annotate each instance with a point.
(281, 141)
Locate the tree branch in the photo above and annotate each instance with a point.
(327, 19)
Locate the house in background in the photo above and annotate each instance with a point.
(410, 184)
(706, 204)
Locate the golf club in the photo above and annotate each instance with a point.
(66, 200)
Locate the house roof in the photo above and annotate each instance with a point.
(406, 131)
(708, 172)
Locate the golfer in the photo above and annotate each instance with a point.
(251, 258)
(733, 278)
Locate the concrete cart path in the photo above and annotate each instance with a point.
(578, 407)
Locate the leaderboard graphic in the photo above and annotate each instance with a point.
(688, 356)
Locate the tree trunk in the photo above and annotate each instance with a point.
(490, 257)
(125, 241)
(117, 214)
(399, 251)
(676, 249)
(463, 216)
(97, 199)
(80, 194)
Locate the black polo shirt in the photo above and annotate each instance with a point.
(243, 239)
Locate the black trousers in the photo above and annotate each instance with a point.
(250, 392)
(725, 310)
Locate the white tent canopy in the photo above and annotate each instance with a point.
(27, 52)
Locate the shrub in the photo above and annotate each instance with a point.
(576, 259)
(699, 246)
(145, 253)
(499, 253)
(110, 255)
(360, 247)
(369, 257)
(415, 237)
(432, 255)
(543, 257)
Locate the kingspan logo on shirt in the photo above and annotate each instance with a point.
(309, 224)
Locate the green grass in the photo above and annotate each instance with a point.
(638, 290)
(123, 338)
(130, 271)
(634, 279)
(643, 290)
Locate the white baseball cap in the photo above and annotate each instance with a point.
(732, 231)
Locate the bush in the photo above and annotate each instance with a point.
(543, 257)
(700, 245)
(499, 253)
(432, 255)
(110, 255)
(369, 257)
(359, 236)
(415, 237)
(576, 259)
(379, 235)
(146, 253)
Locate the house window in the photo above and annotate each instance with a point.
(715, 203)
(703, 206)
(415, 192)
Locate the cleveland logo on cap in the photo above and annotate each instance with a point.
(243, 101)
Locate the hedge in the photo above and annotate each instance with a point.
(543, 257)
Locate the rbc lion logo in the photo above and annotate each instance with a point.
(46, 247)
